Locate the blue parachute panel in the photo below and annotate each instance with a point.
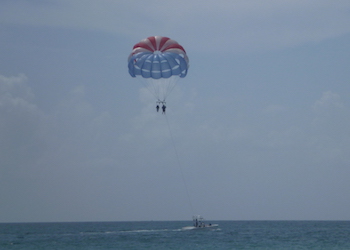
(157, 65)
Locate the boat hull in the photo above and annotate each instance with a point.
(202, 227)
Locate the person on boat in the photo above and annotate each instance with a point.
(163, 108)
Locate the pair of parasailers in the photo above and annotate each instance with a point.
(163, 108)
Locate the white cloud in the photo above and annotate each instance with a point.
(328, 139)
(328, 100)
(17, 107)
(14, 90)
(19, 123)
(74, 131)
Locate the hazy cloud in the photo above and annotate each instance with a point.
(328, 100)
(259, 126)
(239, 25)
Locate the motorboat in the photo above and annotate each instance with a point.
(198, 223)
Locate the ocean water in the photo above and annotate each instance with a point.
(170, 235)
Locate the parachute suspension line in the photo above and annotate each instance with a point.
(179, 164)
(156, 88)
(171, 86)
(151, 88)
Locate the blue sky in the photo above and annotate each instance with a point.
(260, 124)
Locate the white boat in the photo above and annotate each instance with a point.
(198, 223)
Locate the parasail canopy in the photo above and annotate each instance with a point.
(158, 57)
(159, 61)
